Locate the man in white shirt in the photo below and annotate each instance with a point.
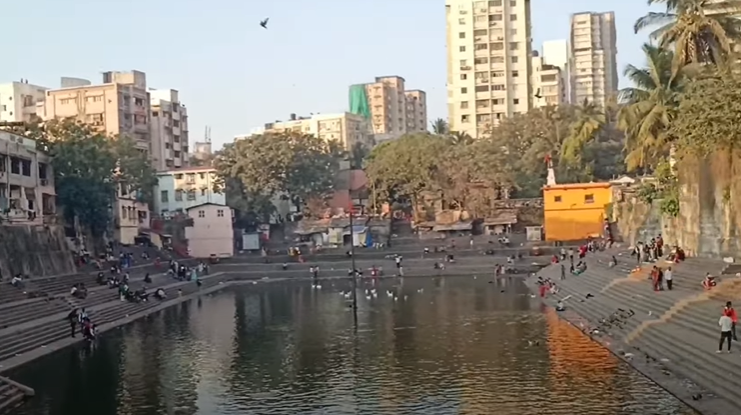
(668, 278)
(726, 333)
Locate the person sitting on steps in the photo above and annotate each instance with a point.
(709, 282)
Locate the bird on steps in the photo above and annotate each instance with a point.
(264, 23)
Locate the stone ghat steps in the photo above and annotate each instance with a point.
(8, 293)
(28, 311)
(10, 397)
(692, 355)
(19, 342)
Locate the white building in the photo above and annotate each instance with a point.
(211, 234)
(130, 216)
(556, 53)
(489, 51)
(178, 190)
(18, 101)
(345, 128)
(169, 130)
(593, 58)
(547, 82)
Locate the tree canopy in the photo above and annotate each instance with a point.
(297, 166)
(88, 168)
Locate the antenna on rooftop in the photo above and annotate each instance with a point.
(207, 134)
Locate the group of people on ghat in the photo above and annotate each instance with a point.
(79, 318)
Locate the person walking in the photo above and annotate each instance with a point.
(726, 334)
(668, 278)
(731, 312)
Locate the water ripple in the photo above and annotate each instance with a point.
(457, 347)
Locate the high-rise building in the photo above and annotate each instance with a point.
(593, 58)
(391, 109)
(169, 129)
(489, 58)
(119, 105)
(547, 83)
(19, 101)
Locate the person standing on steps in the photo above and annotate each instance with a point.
(668, 278)
(731, 312)
(726, 333)
(72, 319)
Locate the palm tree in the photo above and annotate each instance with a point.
(588, 121)
(696, 29)
(649, 107)
(440, 127)
(458, 138)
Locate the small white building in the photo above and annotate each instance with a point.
(211, 233)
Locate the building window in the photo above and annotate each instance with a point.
(462, 35)
(513, 3)
(464, 90)
(178, 176)
(464, 77)
(589, 198)
(513, 45)
(191, 195)
(155, 114)
(461, 49)
(515, 74)
(220, 213)
(201, 214)
(203, 192)
(464, 105)
(178, 195)
(557, 199)
(515, 59)
(516, 101)
(512, 17)
(461, 21)
(164, 196)
(465, 119)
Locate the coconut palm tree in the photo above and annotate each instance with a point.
(697, 30)
(458, 138)
(588, 121)
(649, 107)
(440, 126)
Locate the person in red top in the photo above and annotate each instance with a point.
(730, 312)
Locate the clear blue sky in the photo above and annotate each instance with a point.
(234, 76)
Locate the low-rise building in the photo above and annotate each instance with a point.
(574, 212)
(130, 215)
(26, 181)
(19, 101)
(211, 234)
(345, 128)
(178, 190)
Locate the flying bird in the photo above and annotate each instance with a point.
(264, 23)
(537, 93)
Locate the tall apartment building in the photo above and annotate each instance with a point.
(19, 100)
(392, 110)
(489, 65)
(178, 190)
(345, 128)
(593, 57)
(547, 82)
(169, 130)
(119, 105)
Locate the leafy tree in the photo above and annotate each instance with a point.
(358, 154)
(460, 138)
(88, 166)
(302, 167)
(586, 122)
(440, 127)
(695, 35)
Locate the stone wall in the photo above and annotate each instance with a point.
(709, 217)
(34, 251)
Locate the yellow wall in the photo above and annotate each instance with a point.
(571, 215)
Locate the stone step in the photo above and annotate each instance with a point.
(695, 358)
(30, 311)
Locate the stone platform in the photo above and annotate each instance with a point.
(670, 336)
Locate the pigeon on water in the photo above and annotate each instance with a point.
(264, 23)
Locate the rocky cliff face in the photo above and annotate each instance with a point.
(709, 219)
(34, 251)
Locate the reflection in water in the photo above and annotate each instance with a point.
(427, 346)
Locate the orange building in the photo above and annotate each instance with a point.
(575, 211)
